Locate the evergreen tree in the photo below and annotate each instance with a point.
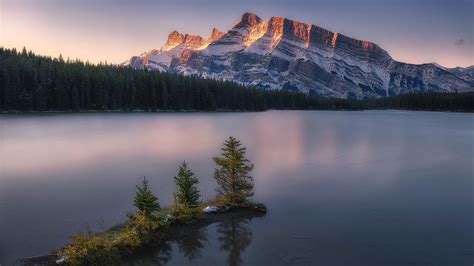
(232, 173)
(145, 201)
(187, 195)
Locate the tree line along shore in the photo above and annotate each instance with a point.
(151, 223)
(30, 82)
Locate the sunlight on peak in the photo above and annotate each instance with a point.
(256, 33)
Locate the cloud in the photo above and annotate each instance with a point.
(460, 42)
(463, 42)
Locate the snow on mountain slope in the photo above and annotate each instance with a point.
(284, 54)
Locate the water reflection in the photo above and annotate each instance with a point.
(235, 236)
(190, 243)
(185, 244)
(58, 147)
(159, 256)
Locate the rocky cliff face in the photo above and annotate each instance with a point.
(283, 54)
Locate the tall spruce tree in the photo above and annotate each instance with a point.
(232, 173)
(187, 195)
(145, 201)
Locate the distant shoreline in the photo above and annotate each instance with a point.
(13, 112)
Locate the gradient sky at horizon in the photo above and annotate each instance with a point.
(420, 31)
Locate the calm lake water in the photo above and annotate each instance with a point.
(342, 188)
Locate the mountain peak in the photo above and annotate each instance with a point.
(215, 35)
(188, 41)
(174, 39)
(249, 19)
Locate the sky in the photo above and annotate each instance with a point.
(412, 31)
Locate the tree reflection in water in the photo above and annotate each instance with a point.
(233, 233)
(190, 243)
(163, 255)
(154, 256)
(235, 236)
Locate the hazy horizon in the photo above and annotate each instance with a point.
(427, 31)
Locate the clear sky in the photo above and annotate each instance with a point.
(414, 31)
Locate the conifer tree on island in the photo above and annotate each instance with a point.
(232, 173)
(187, 195)
(145, 201)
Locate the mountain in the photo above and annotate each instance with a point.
(466, 73)
(283, 54)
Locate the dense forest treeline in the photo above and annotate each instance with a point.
(454, 102)
(29, 82)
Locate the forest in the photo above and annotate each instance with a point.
(29, 82)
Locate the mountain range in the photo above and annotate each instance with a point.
(284, 54)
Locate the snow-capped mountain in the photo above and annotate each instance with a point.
(466, 73)
(284, 54)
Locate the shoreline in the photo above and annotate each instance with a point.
(16, 112)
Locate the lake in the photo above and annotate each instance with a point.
(342, 188)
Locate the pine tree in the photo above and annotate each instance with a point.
(187, 195)
(232, 174)
(145, 201)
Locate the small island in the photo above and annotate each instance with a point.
(151, 225)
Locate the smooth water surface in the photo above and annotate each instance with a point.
(342, 188)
